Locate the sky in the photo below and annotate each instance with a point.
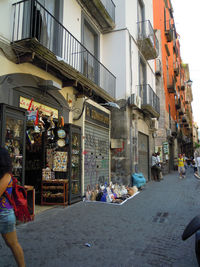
(187, 21)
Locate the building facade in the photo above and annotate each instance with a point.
(106, 72)
(133, 47)
(53, 58)
(173, 132)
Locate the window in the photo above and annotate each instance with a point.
(90, 40)
(42, 24)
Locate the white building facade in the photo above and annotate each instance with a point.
(92, 52)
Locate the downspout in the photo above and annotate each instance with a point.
(130, 115)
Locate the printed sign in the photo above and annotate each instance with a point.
(24, 103)
(165, 148)
(96, 115)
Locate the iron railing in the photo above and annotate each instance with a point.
(110, 7)
(145, 30)
(168, 26)
(32, 20)
(149, 97)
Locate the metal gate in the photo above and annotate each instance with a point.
(96, 155)
(143, 154)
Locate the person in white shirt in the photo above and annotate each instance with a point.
(185, 161)
(198, 165)
(155, 168)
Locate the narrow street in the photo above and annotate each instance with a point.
(145, 231)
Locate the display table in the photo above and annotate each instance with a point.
(31, 199)
(54, 192)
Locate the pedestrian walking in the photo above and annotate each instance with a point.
(7, 216)
(155, 168)
(185, 161)
(194, 165)
(181, 168)
(197, 159)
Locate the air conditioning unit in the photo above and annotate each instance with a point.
(135, 101)
(154, 124)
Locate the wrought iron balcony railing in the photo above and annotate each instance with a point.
(178, 103)
(147, 40)
(150, 101)
(176, 68)
(31, 20)
(169, 30)
(171, 85)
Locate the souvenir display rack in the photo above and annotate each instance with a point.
(63, 161)
(54, 192)
(73, 143)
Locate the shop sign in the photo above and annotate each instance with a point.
(46, 110)
(96, 115)
(165, 148)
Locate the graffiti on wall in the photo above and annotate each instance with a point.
(96, 159)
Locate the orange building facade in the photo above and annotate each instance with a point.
(175, 122)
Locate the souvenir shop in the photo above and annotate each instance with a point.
(45, 149)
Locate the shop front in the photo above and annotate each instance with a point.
(144, 149)
(44, 146)
(143, 152)
(96, 146)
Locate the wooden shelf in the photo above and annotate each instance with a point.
(53, 190)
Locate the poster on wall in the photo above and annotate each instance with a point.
(165, 148)
(60, 161)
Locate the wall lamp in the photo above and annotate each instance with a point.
(189, 82)
(111, 104)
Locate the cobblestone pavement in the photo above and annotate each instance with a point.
(145, 231)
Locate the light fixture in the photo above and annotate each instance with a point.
(189, 82)
(111, 104)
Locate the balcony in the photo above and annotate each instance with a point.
(150, 101)
(147, 40)
(182, 110)
(184, 119)
(176, 68)
(171, 86)
(178, 103)
(175, 49)
(182, 86)
(39, 38)
(103, 11)
(168, 31)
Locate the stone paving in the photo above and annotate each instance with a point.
(145, 231)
